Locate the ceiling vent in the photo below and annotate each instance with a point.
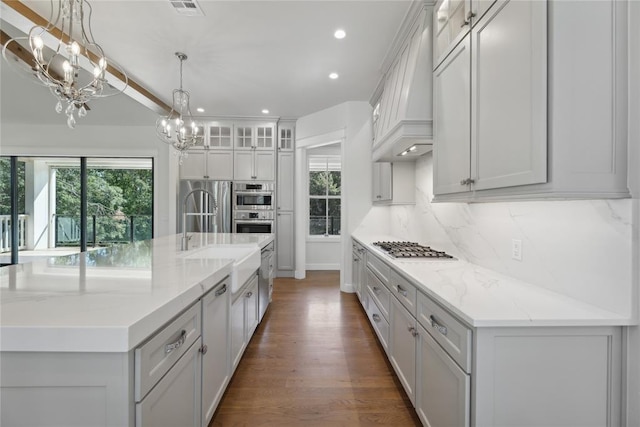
(187, 8)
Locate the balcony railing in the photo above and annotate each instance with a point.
(5, 229)
(103, 230)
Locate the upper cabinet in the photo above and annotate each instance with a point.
(402, 117)
(526, 103)
(220, 135)
(254, 157)
(286, 133)
(256, 136)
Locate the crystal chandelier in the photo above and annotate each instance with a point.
(178, 128)
(66, 59)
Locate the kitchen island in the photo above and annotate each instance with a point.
(473, 347)
(77, 333)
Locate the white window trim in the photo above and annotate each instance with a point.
(317, 238)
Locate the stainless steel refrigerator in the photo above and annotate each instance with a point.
(208, 211)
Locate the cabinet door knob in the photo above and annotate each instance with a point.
(203, 349)
(249, 294)
(376, 317)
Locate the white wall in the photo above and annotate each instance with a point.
(103, 141)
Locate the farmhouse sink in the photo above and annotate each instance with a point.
(246, 260)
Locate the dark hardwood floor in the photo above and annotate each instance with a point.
(314, 361)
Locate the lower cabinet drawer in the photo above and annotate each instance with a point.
(449, 332)
(176, 399)
(405, 291)
(379, 293)
(379, 267)
(378, 321)
(156, 356)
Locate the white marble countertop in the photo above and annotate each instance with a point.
(108, 299)
(485, 298)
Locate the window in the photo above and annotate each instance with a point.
(324, 196)
(118, 204)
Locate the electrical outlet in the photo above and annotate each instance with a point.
(516, 249)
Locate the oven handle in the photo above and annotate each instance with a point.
(244, 221)
(254, 193)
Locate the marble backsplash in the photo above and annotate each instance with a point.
(579, 248)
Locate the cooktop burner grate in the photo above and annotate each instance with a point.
(410, 250)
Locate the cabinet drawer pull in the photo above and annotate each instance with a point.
(376, 290)
(354, 259)
(221, 291)
(170, 347)
(437, 326)
(376, 317)
(402, 291)
(249, 294)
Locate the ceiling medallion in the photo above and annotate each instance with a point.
(63, 56)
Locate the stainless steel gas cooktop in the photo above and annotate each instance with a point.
(410, 250)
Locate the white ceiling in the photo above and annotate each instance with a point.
(243, 56)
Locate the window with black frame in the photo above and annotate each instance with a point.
(324, 195)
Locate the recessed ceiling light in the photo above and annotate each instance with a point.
(265, 111)
(333, 76)
(200, 110)
(339, 34)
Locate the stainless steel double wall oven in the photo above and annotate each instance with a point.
(253, 207)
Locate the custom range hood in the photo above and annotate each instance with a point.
(403, 115)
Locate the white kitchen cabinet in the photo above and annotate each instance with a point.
(251, 303)
(244, 318)
(285, 181)
(358, 271)
(258, 136)
(208, 164)
(382, 181)
(253, 165)
(402, 346)
(452, 121)
(237, 340)
(175, 400)
(285, 253)
(450, 26)
(286, 136)
(507, 93)
(219, 135)
(284, 243)
(452, 21)
(215, 354)
(547, 104)
(456, 375)
(443, 389)
(393, 183)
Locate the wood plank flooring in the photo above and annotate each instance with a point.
(314, 361)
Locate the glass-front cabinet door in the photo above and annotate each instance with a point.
(220, 135)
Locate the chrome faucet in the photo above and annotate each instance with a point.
(185, 238)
